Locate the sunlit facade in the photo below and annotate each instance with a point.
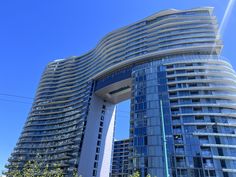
(169, 65)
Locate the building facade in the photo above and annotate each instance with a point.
(120, 158)
(183, 103)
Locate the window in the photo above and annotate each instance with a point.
(180, 162)
(203, 139)
(99, 136)
(197, 109)
(100, 130)
(196, 100)
(94, 172)
(97, 150)
(199, 117)
(206, 151)
(179, 150)
(178, 139)
(95, 165)
(208, 163)
(98, 143)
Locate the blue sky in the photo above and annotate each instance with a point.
(33, 33)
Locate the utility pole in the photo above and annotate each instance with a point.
(164, 139)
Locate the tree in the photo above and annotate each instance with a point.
(75, 173)
(31, 169)
(136, 174)
(45, 171)
(35, 169)
(14, 172)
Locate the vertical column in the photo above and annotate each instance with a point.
(95, 159)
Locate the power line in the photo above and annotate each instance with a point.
(14, 101)
(18, 96)
(25, 97)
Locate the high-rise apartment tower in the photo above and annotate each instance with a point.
(183, 102)
(120, 158)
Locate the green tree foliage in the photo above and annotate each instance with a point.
(136, 174)
(75, 173)
(45, 171)
(14, 172)
(31, 169)
(57, 172)
(35, 169)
